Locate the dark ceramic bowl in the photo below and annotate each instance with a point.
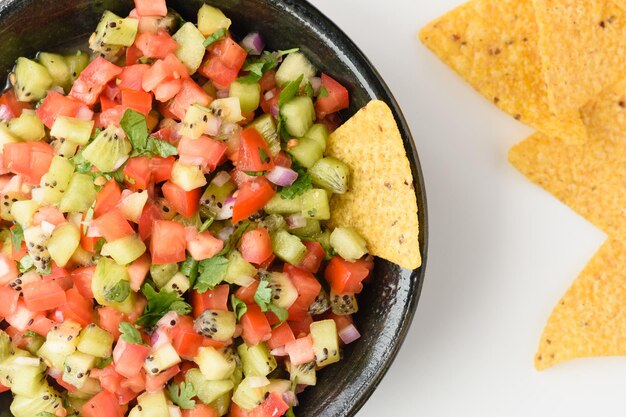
(389, 301)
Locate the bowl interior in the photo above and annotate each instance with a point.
(389, 300)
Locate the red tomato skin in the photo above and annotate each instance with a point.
(113, 225)
(102, 404)
(314, 257)
(215, 299)
(92, 81)
(55, 105)
(307, 286)
(161, 168)
(131, 77)
(128, 358)
(137, 173)
(283, 159)
(138, 271)
(43, 295)
(168, 243)
(272, 406)
(201, 410)
(204, 151)
(149, 215)
(337, 99)
(281, 335)
(156, 45)
(41, 325)
(254, 154)
(77, 308)
(132, 55)
(203, 245)
(246, 294)
(10, 101)
(82, 280)
(256, 246)
(137, 100)
(151, 7)
(229, 52)
(9, 298)
(302, 326)
(156, 383)
(109, 319)
(347, 277)
(186, 342)
(190, 93)
(236, 411)
(184, 202)
(29, 159)
(168, 89)
(218, 72)
(255, 326)
(108, 197)
(252, 197)
(106, 103)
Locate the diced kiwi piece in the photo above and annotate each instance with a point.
(211, 19)
(239, 271)
(27, 380)
(162, 274)
(77, 367)
(311, 228)
(124, 250)
(288, 247)
(154, 404)
(343, 304)
(79, 195)
(28, 126)
(195, 121)
(207, 391)
(319, 133)
(315, 204)
(6, 136)
(76, 62)
(229, 109)
(249, 95)
(249, 394)
(22, 211)
(5, 345)
(304, 374)
(63, 242)
(267, 128)
(95, 341)
(106, 277)
(214, 197)
(281, 205)
(57, 67)
(163, 358)
(188, 177)
(107, 149)
(113, 31)
(213, 364)
(32, 80)
(179, 283)
(325, 342)
(331, 174)
(56, 181)
(294, 65)
(72, 129)
(299, 114)
(45, 400)
(307, 152)
(284, 293)
(256, 360)
(191, 46)
(64, 148)
(348, 243)
(216, 324)
(222, 404)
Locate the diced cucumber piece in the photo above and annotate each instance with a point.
(251, 392)
(57, 67)
(304, 374)
(179, 283)
(325, 342)
(307, 152)
(124, 250)
(215, 196)
(211, 19)
(294, 65)
(315, 204)
(80, 194)
(348, 243)
(267, 128)
(288, 247)
(299, 115)
(229, 109)
(76, 62)
(107, 149)
(249, 95)
(195, 121)
(55, 182)
(256, 360)
(213, 364)
(95, 341)
(105, 278)
(239, 271)
(154, 404)
(163, 358)
(162, 274)
(311, 228)
(319, 133)
(77, 367)
(187, 177)
(191, 46)
(72, 129)
(331, 174)
(280, 205)
(208, 391)
(63, 242)
(32, 80)
(28, 126)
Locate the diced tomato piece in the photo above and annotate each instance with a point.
(215, 299)
(300, 351)
(268, 81)
(184, 202)
(129, 357)
(125, 395)
(205, 152)
(92, 81)
(203, 245)
(29, 159)
(109, 379)
(168, 243)
(109, 319)
(283, 159)
(137, 173)
(301, 327)
(254, 154)
(272, 406)
(314, 257)
(151, 7)
(43, 295)
(269, 102)
(9, 298)
(229, 52)
(110, 117)
(104, 403)
(336, 97)
(136, 383)
(161, 168)
(176, 67)
(308, 288)
(77, 308)
(345, 276)
(61, 276)
(108, 197)
(137, 100)
(216, 71)
(168, 89)
(201, 410)
(252, 197)
(255, 326)
(236, 411)
(281, 335)
(155, 383)
(155, 75)
(55, 105)
(113, 225)
(149, 215)
(246, 294)
(131, 76)
(138, 271)
(82, 280)
(186, 342)
(256, 246)
(156, 45)
(8, 269)
(21, 317)
(49, 214)
(9, 100)
(189, 94)
(41, 325)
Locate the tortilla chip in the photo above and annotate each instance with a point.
(582, 49)
(494, 46)
(381, 204)
(605, 115)
(590, 320)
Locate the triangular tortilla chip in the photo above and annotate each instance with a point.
(605, 114)
(583, 49)
(494, 45)
(381, 203)
(590, 320)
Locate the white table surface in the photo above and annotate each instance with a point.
(502, 251)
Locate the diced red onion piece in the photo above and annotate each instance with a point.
(213, 126)
(282, 176)
(300, 388)
(227, 209)
(221, 178)
(159, 338)
(238, 331)
(279, 351)
(223, 93)
(84, 113)
(225, 233)
(295, 221)
(290, 398)
(166, 320)
(253, 43)
(5, 113)
(316, 84)
(349, 334)
(274, 111)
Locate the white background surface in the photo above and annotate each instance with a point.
(502, 251)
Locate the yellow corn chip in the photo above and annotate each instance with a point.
(590, 320)
(582, 49)
(605, 114)
(494, 45)
(381, 204)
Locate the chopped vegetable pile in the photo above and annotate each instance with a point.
(165, 251)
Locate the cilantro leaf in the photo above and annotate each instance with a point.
(263, 295)
(234, 238)
(211, 272)
(299, 187)
(160, 148)
(323, 92)
(103, 362)
(30, 333)
(239, 307)
(17, 236)
(26, 263)
(290, 91)
(257, 67)
(182, 395)
(136, 128)
(159, 304)
(118, 175)
(280, 312)
(119, 292)
(216, 36)
(207, 223)
(130, 334)
(308, 89)
(189, 268)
